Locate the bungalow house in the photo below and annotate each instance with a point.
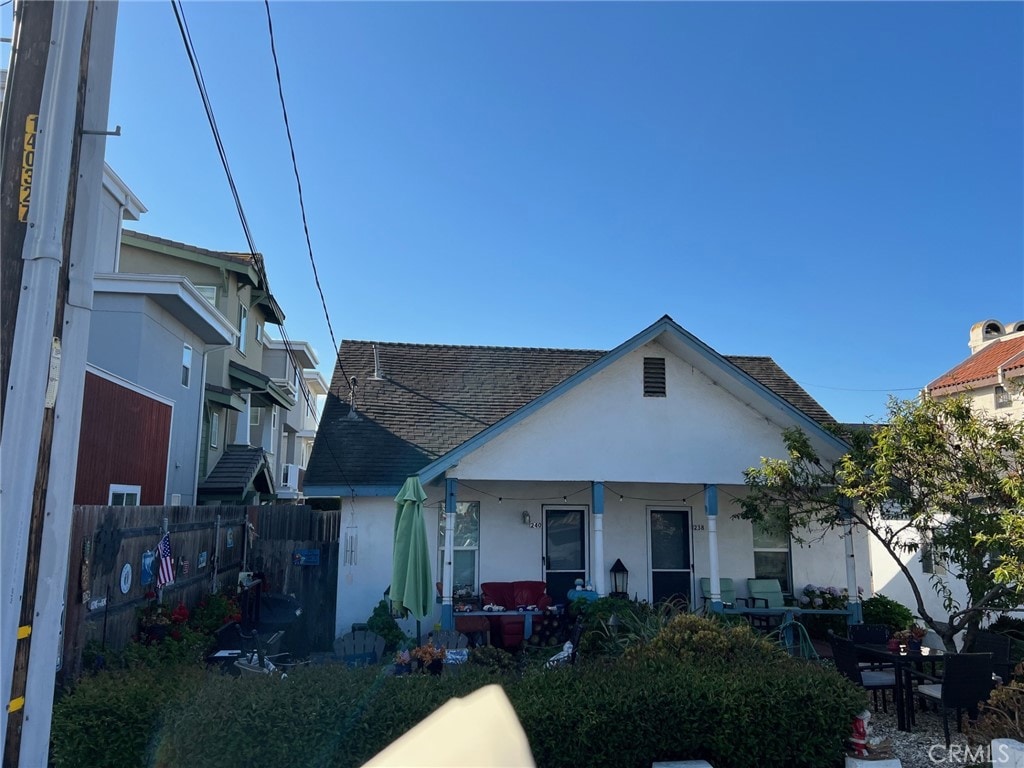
(552, 464)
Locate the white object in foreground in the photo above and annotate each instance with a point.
(1007, 753)
(480, 730)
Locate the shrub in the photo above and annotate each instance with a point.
(493, 659)
(213, 612)
(828, 598)
(109, 719)
(703, 640)
(881, 610)
(790, 714)
(1001, 716)
(383, 623)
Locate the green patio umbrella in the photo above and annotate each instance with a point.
(411, 586)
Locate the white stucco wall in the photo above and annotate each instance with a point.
(510, 550)
(605, 428)
(888, 579)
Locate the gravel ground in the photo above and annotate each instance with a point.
(925, 747)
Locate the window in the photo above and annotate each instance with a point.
(1003, 399)
(124, 495)
(931, 557)
(654, 377)
(214, 428)
(273, 420)
(208, 292)
(259, 333)
(771, 556)
(254, 416)
(243, 322)
(466, 545)
(186, 365)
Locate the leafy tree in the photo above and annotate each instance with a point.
(936, 471)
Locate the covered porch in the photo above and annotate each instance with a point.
(669, 536)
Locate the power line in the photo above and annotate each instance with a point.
(256, 255)
(856, 389)
(298, 186)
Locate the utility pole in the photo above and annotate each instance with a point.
(50, 227)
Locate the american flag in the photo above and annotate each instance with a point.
(166, 575)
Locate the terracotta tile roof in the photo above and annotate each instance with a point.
(982, 368)
(432, 398)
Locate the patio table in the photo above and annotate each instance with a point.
(905, 663)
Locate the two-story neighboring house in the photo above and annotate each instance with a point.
(292, 365)
(993, 376)
(150, 338)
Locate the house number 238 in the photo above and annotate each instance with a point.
(698, 526)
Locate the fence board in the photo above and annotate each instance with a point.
(104, 539)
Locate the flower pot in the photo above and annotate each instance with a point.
(893, 645)
(914, 644)
(403, 669)
(435, 667)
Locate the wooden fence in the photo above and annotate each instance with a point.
(112, 568)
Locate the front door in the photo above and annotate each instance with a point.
(671, 577)
(565, 550)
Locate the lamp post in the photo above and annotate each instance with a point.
(620, 580)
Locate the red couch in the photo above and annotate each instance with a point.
(508, 629)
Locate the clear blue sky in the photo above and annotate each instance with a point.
(837, 185)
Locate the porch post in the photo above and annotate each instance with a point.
(597, 493)
(711, 509)
(451, 487)
(853, 600)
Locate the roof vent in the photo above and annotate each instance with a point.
(378, 374)
(654, 377)
(993, 328)
(1017, 327)
(352, 384)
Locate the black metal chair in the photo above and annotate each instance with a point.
(999, 646)
(844, 654)
(966, 681)
(869, 634)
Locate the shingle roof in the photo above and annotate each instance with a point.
(982, 368)
(235, 472)
(235, 257)
(432, 398)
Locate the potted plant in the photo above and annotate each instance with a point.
(429, 657)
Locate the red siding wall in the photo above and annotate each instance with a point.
(125, 440)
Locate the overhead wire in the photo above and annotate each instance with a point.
(257, 257)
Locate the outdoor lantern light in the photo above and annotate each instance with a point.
(620, 580)
(526, 517)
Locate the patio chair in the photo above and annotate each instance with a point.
(869, 634)
(844, 654)
(966, 681)
(727, 588)
(765, 593)
(360, 648)
(450, 639)
(999, 646)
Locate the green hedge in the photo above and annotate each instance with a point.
(605, 713)
(110, 719)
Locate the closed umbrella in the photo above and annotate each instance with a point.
(411, 585)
